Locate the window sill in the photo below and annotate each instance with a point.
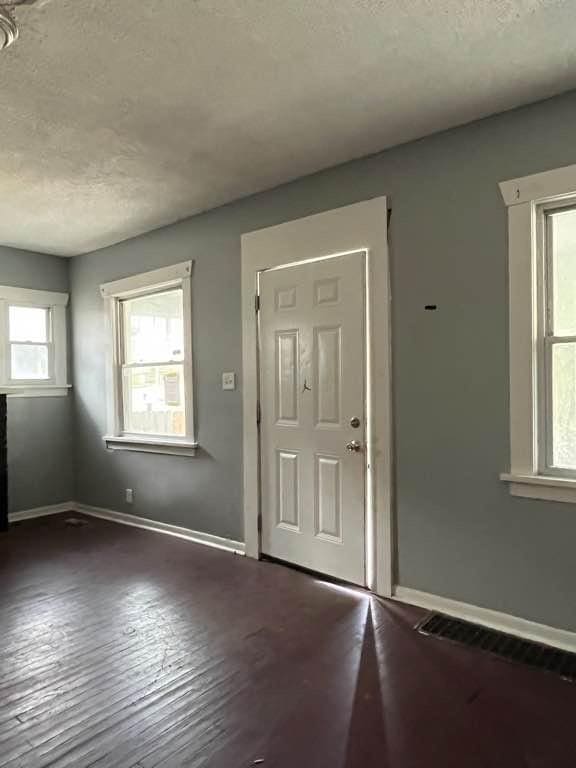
(41, 390)
(150, 445)
(542, 487)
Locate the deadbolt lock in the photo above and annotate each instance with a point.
(355, 422)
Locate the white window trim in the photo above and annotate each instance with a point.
(57, 385)
(525, 198)
(174, 276)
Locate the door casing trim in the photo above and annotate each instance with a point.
(359, 227)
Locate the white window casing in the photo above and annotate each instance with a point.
(113, 293)
(528, 200)
(55, 382)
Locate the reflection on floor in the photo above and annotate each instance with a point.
(128, 649)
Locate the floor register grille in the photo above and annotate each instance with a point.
(508, 647)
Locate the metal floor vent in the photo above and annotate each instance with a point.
(531, 654)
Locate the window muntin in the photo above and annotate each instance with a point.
(30, 344)
(152, 375)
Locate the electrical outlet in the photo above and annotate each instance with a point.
(129, 496)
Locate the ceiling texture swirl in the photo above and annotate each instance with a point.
(120, 116)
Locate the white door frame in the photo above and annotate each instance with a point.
(330, 233)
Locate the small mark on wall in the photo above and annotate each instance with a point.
(431, 307)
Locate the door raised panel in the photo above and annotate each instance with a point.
(287, 496)
(327, 375)
(286, 298)
(327, 291)
(287, 377)
(328, 493)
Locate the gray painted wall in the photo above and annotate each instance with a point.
(460, 534)
(40, 430)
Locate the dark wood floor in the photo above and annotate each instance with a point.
(121, 648)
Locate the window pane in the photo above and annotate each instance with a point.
(153, 328)
(564, 406)
(154, 400)
(29, 361)
(28, 324)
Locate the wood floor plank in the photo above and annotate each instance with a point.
(122, 648)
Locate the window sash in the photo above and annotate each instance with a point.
(547, 339)
(126, 401)
(122, 341)
(47, 321)
(547, 407)
(18, 380)
(126, 366)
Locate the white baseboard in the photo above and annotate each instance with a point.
(513, 625)
(229, 545)
(52, 509)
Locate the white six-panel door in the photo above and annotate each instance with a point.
(313, 422)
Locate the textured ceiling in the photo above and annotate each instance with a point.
(121, 116)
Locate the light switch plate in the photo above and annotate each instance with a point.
(229, 380)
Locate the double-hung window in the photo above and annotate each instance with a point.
(150, 365)
(33, 342)
(542, 267)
